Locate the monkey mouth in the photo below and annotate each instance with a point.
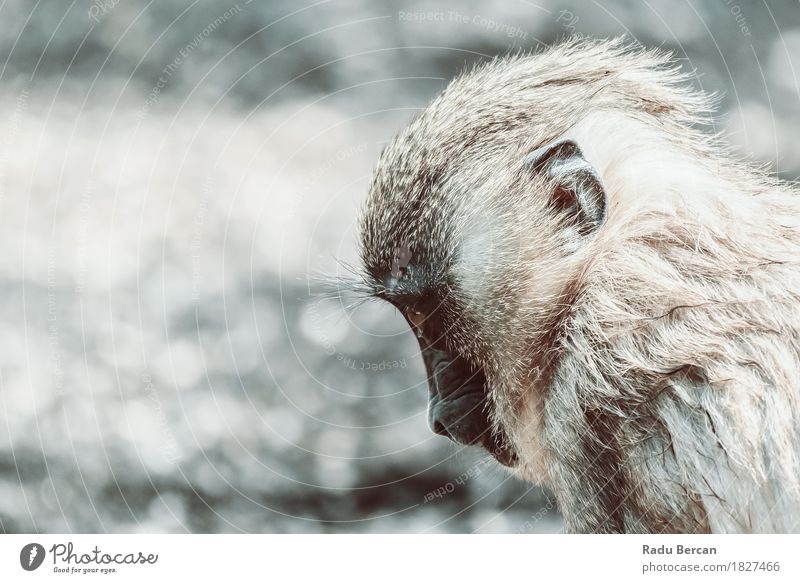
(501, 452)
(473, 428)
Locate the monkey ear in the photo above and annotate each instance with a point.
(578, 189)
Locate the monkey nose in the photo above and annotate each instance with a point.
(440, 429)
(458, 420)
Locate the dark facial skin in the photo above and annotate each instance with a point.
(457, 393)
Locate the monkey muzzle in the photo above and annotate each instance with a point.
(458, 404)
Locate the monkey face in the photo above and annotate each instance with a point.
(486, 294)
(458, 405)
(471, 287)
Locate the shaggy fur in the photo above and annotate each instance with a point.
(649, 374)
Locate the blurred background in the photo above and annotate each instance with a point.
(173, 175)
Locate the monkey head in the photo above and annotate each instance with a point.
(480, 224)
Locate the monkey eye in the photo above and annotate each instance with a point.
(416, 318)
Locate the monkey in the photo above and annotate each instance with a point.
(606, 297)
